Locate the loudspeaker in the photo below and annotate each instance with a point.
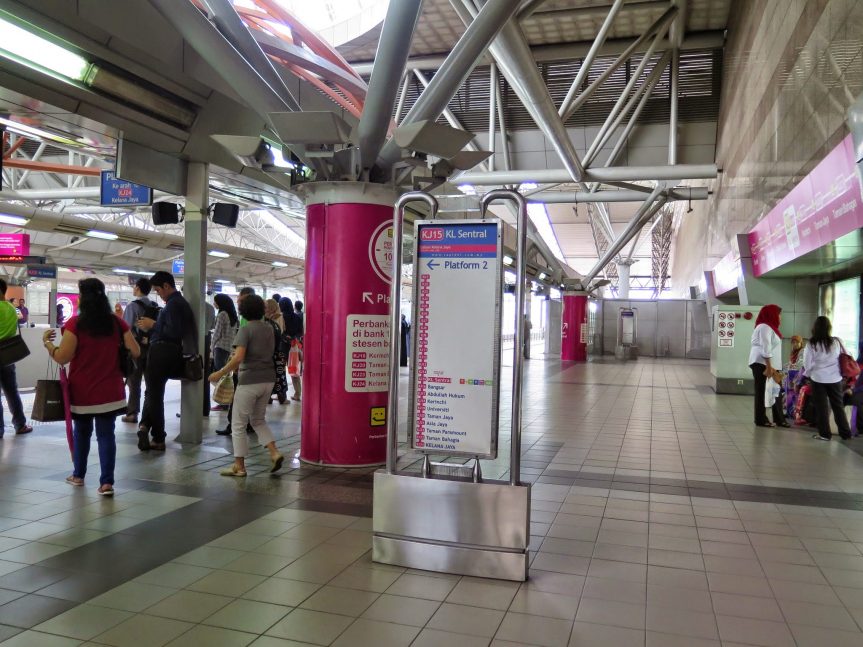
(226, 214)
(166, 213)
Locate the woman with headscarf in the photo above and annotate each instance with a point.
(273, 316)
(764, 358)
(293, 334)
(793, 379)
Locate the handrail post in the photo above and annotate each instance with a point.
(518, 353)
(395, 320)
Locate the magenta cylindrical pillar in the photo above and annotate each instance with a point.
(573, 347)
(346, 346)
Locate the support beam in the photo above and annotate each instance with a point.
(194, 285)
(562, 197)
(406, 83)
(492, 113)
(645, 212)
(581, 75)
(49, 167)
(660, 24)
(565, 51)
(455, 69)
(393, 49)
(580, 13)
(504, 136)
(607, 174)
(512, 55)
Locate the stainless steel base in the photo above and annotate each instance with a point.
(479, 529)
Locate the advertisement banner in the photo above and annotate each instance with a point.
(824, 206)
(573, 346)
(14, 244)
(457, 296)
(68, 301)
(346, 344)
(726, 273)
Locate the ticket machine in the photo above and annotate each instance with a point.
(627, 334)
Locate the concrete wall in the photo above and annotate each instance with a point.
(791, 69)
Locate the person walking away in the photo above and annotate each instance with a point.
(294, 331)
(91, 346)
(253, 356)
(821, 363)
(8, 376)
(141, 306)
(165, 362)
(793, 376)
(24, 321)
(224, 331)
(765, 356)
(242, 295)
(403, 349)
(273, 316)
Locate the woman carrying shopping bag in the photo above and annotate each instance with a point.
(821, 363)
(92, 345)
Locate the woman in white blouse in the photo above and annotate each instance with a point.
(821, 363)
(765, 360)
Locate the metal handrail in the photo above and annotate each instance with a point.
(395, 320)
(518, 357)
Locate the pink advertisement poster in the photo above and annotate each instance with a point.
(69, 301)
(826, 205)
(14, 244)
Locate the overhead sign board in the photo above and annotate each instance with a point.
(42, 271)
(115, 191)
(21, 259)
(458, 286)
(15, 244)
(178, 266)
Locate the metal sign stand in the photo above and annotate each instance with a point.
(435, 521)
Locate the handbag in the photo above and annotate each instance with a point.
(224, 393)
(295, 359)
(848, 366)
(193, 368)
(127, 363)
(13, 349)
(48, 403)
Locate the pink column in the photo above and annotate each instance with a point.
(573, 347)
(346, 346)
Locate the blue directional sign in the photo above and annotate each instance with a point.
(115, 191)
(178, 266)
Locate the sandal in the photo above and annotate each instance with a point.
(233, 471)
(106, 490)
(277, 463)
(74, 480)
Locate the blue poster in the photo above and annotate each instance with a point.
(115, 191)
(178, 266)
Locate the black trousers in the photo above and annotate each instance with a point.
(827, 396)
(760, 387)
(165, 362)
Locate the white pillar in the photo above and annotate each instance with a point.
(623, 268)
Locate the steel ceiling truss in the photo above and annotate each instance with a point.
(661, 237)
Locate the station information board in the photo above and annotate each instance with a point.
(457, 292)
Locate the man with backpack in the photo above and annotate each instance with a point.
(142, 306)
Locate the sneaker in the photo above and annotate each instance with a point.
(26, 429)
(159, 447)
(224, 432)
(219, 407)
(820, 437)
(130, 417)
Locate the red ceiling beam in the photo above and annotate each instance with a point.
(48, 167)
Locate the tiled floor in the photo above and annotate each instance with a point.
(661, 518)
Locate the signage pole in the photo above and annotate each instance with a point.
(518, 357)
(395, 321)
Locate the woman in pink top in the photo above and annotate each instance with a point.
(91, 345)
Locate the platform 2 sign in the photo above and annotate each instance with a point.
(457, 292)
(114, 191)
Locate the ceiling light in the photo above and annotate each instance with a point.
(279, 264)
(467, 189)
(9, 219)
(527, 186)
(221, 280)
(123, 270)
(28, 48)
(104, 235)
(539, 216)
(38, 133)
(542, 276)
(218, 254)
(508, 260)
